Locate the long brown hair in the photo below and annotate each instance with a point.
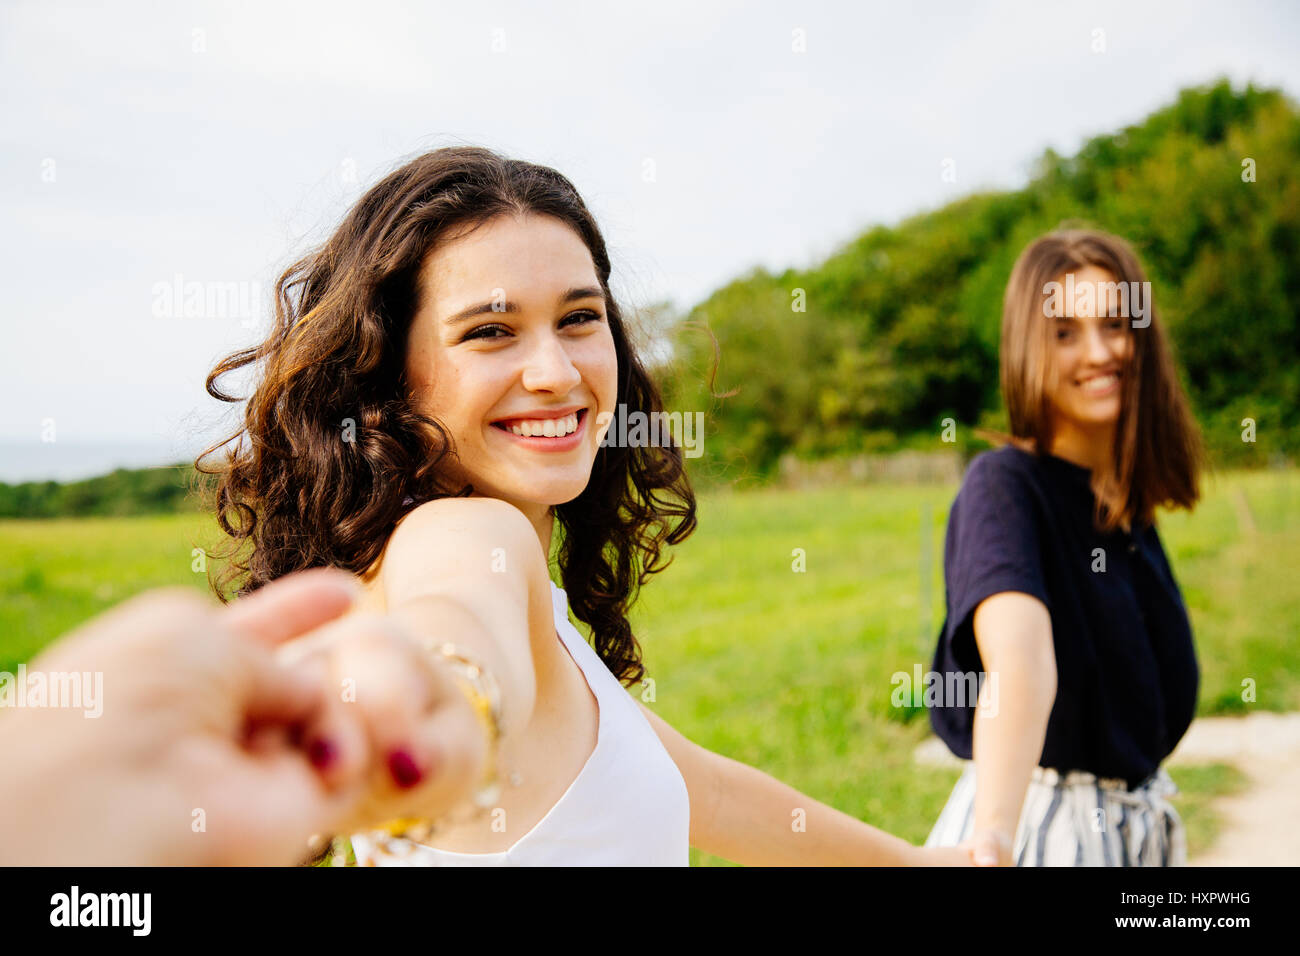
(297, 496)
(1157, 454)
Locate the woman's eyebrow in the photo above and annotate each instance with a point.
(493, 305)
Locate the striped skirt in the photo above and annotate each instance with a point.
(1076, 819)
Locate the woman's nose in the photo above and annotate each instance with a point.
(549, 368)
(1100, 351)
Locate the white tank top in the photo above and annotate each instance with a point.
(628, 806)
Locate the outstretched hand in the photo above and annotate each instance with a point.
(202, 750)
(426, 744)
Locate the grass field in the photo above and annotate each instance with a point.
(790, 670)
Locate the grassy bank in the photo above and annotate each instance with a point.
(790, 670)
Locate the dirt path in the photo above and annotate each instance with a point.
(1261, 824)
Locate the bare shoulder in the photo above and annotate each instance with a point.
(456, 537)
(484, 553)
(466, 515)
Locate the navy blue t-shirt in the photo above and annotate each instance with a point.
(1126, 668)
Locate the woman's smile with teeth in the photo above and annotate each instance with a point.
(542, 427)
(1100, 383)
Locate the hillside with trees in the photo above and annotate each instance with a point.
(899, 328)
(872, 349)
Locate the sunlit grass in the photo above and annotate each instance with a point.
(790, 670)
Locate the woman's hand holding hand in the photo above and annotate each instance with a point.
(427, 746)
(990, 848)
(941, 856)
(984, 848)
(205, 750)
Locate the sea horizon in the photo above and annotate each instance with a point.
(23, 461)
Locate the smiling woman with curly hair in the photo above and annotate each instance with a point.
(434, 399)
(342, 446)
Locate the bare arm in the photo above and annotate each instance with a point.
(1013, 632)
(471, 570)
(744, 815)
(466, 570)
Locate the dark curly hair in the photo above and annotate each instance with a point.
(295, 496)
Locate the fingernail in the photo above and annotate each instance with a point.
(986, 858)
(401, 765)
(321, 752)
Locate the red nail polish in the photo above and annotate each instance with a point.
(321, 752)
(401, 765)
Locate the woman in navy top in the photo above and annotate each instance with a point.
(1059, 593)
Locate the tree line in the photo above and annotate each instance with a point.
(875, 348)
(891, 343)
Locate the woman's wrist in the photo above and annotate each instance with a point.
(474, 759)
(484, 695)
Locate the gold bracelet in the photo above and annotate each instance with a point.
(481, 689)
(485, 696)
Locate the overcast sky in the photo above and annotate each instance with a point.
(216, 142)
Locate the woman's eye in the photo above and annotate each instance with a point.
(583, 317)
(486, 331)
(483, 332)
(1062, 335)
